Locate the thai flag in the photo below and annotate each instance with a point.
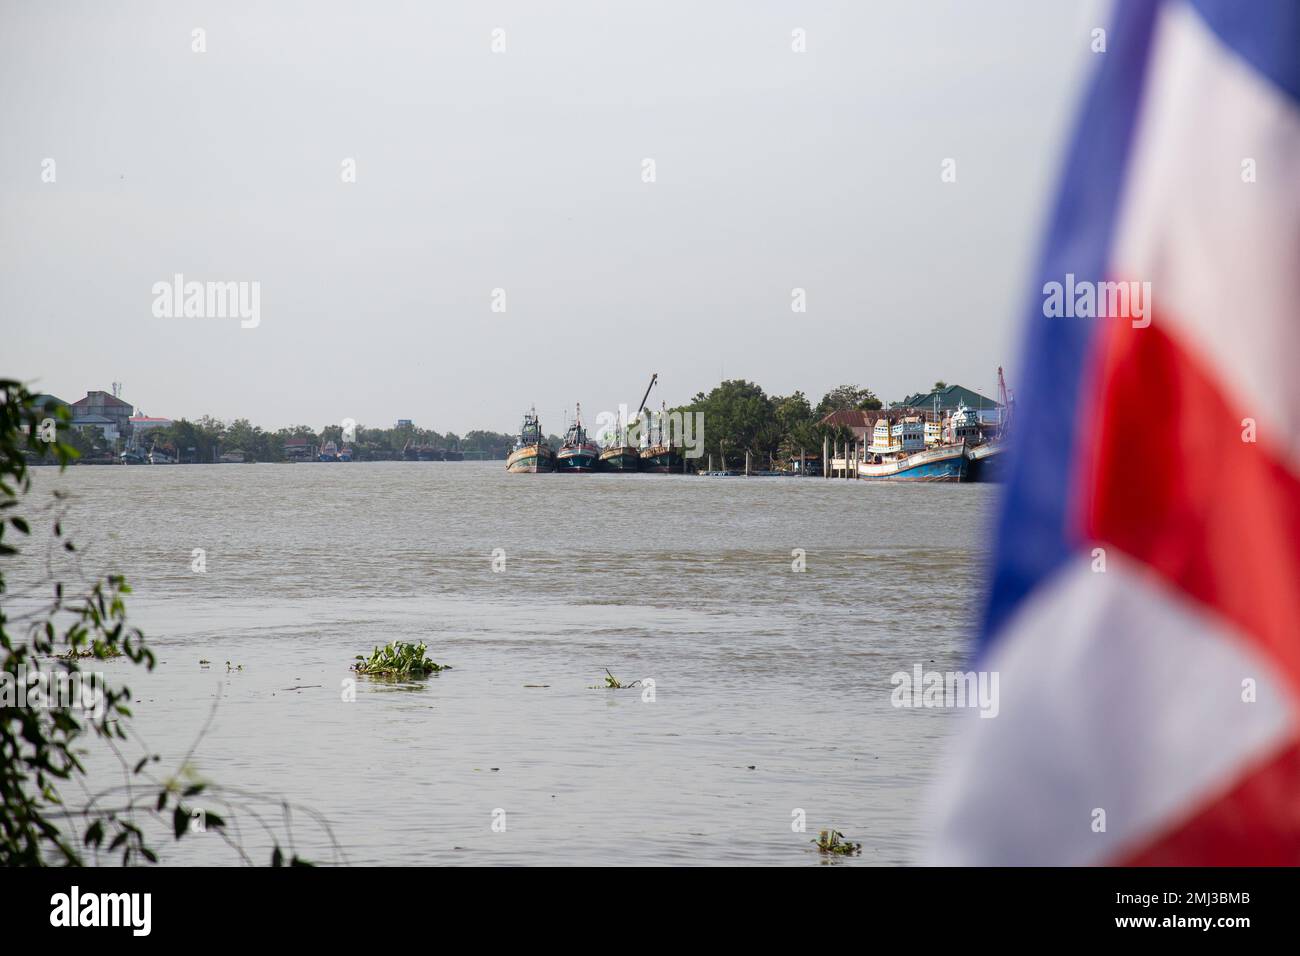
(1144, 612)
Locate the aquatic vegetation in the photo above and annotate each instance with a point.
(832, 841)
(99, 649)
(398, 659)
(613, 683)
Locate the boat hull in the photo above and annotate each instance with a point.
(661, 459)
(531, 460)
(984, 462)
(939, 464)
(622, 459)
(577, 458)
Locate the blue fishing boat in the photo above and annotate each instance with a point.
(899, 451)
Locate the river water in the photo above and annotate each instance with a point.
(771, 690)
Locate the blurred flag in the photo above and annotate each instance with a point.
(1144, 616)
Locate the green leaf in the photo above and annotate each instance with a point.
(94, 834)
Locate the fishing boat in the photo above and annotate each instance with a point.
(982, 461)
(621, 458)
(617, 454)
(620, 453)
(330, 452)
(345, 453)
(160, 457)
(453, 454)
(898, 452)
(577, 453)
(983, 456)
(659, 455)
(531, 454)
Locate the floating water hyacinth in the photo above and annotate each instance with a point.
(832, 841)
(398, 659)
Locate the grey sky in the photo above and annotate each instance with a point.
(522, 170)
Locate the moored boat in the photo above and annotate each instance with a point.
(620, 458)
(577, 453)
(531, 454)
(982, 461)
(899, 452)
(944, 463)
(659, 455)
(617, 453)
(330, 452)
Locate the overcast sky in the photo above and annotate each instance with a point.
(523, 170)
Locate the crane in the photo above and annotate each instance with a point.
(654, 377)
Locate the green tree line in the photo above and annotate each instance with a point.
(208, 438)
(739, 417)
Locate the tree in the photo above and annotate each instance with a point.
(738, 417)
(939, 386)
(847, 397)
(798, 425)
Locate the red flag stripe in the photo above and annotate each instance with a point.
(1256, 823)
(1168, 479)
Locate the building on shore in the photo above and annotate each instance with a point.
(100, 405)
(947, 400)
(107, 426)
(299, 449)
(857, 421)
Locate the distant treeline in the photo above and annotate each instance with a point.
(738, 417)
(208, 438)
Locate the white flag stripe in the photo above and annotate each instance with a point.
(1114, 695)
(1222, 254)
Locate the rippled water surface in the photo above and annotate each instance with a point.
(771, 687)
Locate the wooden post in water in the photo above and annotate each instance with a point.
(710, 461)
(826, 461)
(746, 462)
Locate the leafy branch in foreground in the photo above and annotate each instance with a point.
(398, 659)
(49, 705)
